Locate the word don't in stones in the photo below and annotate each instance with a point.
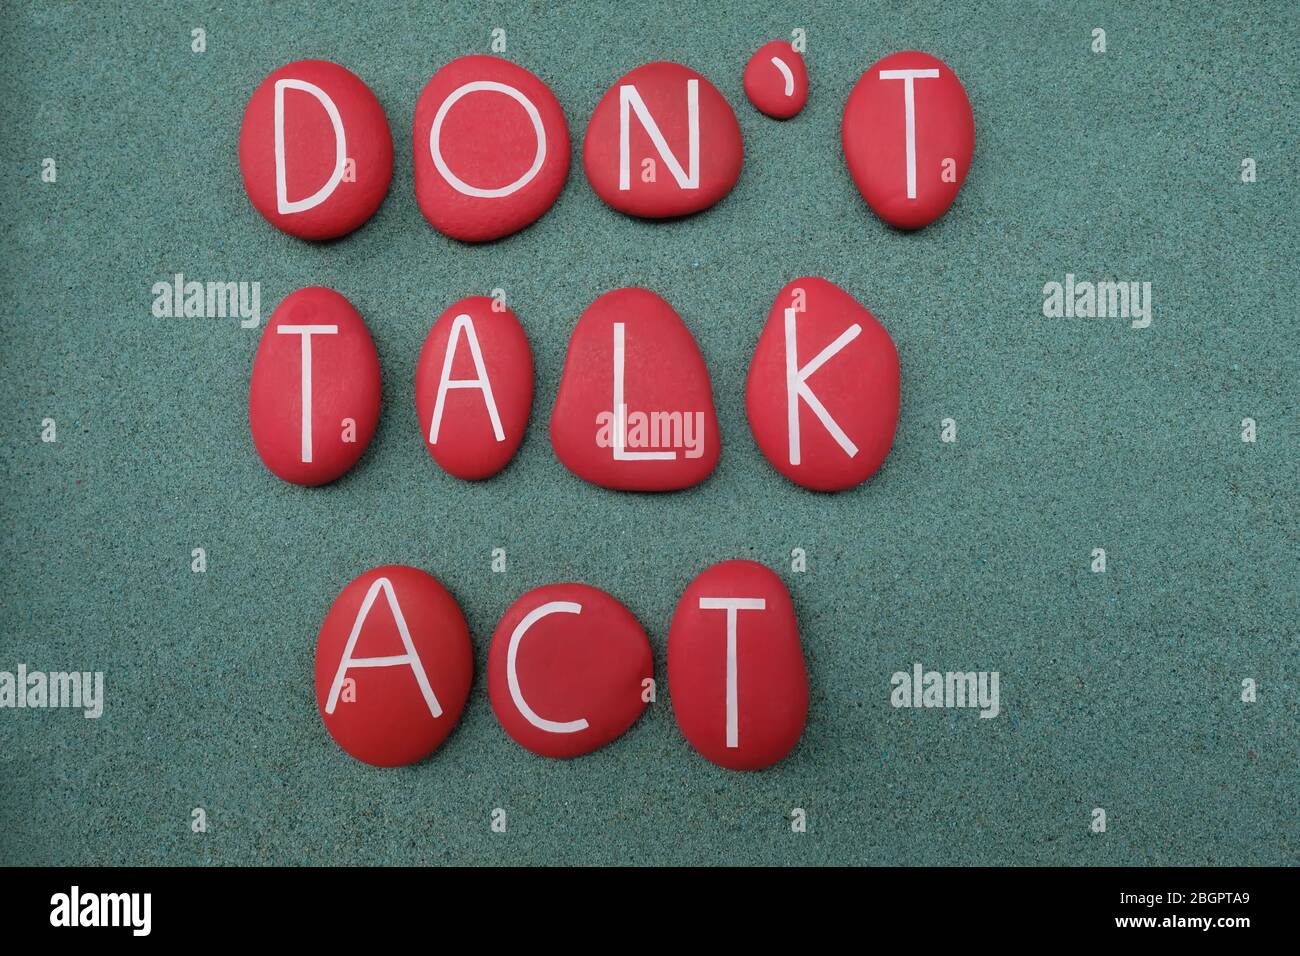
(491, 143)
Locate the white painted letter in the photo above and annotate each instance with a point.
(909, 108)
(340, 148)
(620, 410)
(307, 331)
(732, 606)
(512, 675)
(629, 99)
(482, 383)
(796, 386)
(410, 658)
(435, 135)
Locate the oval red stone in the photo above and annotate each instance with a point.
(315, 150)
(684, 150)
(776, 80)
(568, 670)
(631, 351)
(909, 98)
(736, 672)
(474, 388)
(823, 389)
(313, 399)
(491, 149)
(393, 666)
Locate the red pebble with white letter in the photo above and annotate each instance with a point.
(313, 398)
(736, 672)
(635, 408)
(491, 149)
(474, 387)
(908, 136)
(570, 670)
(823, 389)
(393, 666)
(662, 142)
(315, 150)
(776, 80)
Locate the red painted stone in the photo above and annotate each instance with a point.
(399, 711)
(670, 436)
(477, 359)
(316, 354)
(844, 387)
(491, 149)
(657, 179)
(736, 618)
(337, 154)
(875, 134)
(579, 660)
(776, 80)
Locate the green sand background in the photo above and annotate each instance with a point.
(1118, 690)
